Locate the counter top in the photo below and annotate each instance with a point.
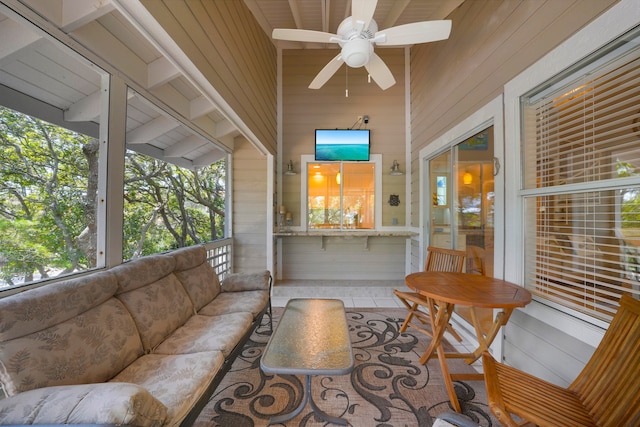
(345, 233)
(323, 234)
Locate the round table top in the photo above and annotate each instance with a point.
(468, 289)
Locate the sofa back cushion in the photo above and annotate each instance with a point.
(196, 275)
(65, 333)
(151, 292)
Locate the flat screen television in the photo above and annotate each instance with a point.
(342, 144)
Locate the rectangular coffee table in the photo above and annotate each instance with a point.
(311, 338)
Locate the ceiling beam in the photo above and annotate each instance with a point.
(25, 104)
(326, 8)
(87, 108)
(78, 13)
(223, 128)
(446, 8)
(199, 107)
(15, 39)
(185, 146)
(295, 12)
(151, 130)
(160, 72)
(394, 13)
(209, 158)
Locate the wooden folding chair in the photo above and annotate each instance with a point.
(606, 393)
(438, 259)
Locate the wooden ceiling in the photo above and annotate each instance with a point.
(326, 15)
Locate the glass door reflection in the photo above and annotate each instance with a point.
(461, 211)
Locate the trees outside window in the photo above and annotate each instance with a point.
(48, 198)
(168, 207)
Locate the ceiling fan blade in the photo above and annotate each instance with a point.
(296, 35)
(325, 74)
(417, 32)
(379, 72)
(362, 10)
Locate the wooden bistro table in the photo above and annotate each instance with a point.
(311, 338)
(443, 291)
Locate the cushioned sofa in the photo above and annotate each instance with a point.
(144, 343)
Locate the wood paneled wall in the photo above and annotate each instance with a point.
(305, 110)
(490, 43)
(223, 39)
(249, 207)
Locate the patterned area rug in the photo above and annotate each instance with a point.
(388, 387)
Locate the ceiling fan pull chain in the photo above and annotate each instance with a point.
(346, 82)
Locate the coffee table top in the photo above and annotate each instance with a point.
(311, 338)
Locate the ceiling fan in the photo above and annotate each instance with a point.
(356, 36)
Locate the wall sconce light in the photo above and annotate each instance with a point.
(290, 170)
(338, 178)
(467, 178)
(395, 169)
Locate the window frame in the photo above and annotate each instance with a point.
(305, 159)
(592, 37)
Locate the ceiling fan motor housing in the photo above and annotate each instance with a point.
(356, 44)
(357, 52)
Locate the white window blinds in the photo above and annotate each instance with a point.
(581, 179)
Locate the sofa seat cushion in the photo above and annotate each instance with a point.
(91, 347)
(103, 403)
(233, 302)
(207, 333)
(178, 381)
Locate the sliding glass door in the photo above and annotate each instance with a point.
(461, 214)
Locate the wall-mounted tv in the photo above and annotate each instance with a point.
(342, 144)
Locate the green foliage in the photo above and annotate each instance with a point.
(630, 209)
(48, 214)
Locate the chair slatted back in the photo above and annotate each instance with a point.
(608, 385)
(439, 259)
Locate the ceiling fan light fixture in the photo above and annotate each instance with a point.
(356, 52)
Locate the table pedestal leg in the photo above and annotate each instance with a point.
(307, 397)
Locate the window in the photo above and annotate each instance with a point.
(169, 203)
(581, 151)
(48, 184)
(168, 207)
(341, 195)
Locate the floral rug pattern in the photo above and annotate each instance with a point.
(387, 387)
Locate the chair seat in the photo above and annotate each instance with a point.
(533, 399)
(605, 393)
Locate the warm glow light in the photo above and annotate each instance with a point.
(338, 178)
(467, 178)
